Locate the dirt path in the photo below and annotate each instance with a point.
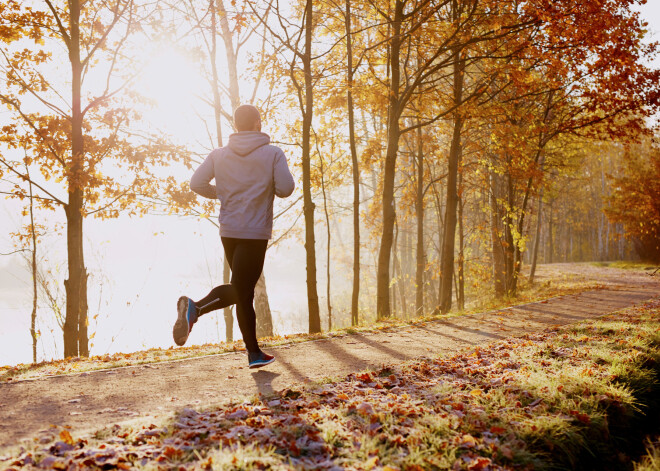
(90, 401)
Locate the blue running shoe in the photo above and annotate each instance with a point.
(187, 316)
(259, 359)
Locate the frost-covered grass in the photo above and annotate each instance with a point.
(570, 398)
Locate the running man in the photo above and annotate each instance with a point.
(249, 173)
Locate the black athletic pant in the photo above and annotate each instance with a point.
(246, 260)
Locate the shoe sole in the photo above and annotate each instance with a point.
(181, 327)
(259, 365)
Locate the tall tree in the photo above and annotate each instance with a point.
(355, 294)
(290, 38)
(68, 139)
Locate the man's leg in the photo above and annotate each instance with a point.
(247, 264)
(224, 295)
(219, 298)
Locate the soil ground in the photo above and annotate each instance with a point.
(151, 393)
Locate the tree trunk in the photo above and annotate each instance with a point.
(509, 242)
(33, 316)
(227, 312)
(393, 133)
(448, 240)
(356, 170)
(551, 248)
(75, 324)
(261, 304)
(262, 309)
(328, 246)
(419, 212)
(537, 240)
(217, 113)
(408, 266)
(396, 273)
(232, 67)
(438, 206)
(499, 270)
(400, 264)
(460, 297)
(308, 204)
(217, 105)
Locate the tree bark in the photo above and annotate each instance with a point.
(217, 113)
(551, 249)
(217, 104)
(419, 211)
(401, 266)
(308, 204)
(438, 206)
(499, 270)
(232, 67)
(509, 242)
(328, 245)
(448, 240)
(33, 316)
(75, 324)
(393, 134)
(228, 311)
(537, 239)
(355, 296)
(262, 308)
(460, 296)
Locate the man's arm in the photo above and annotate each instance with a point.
(200, 182)
(284, 183)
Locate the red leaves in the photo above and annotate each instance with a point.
(479, 464)
(476, 407)
(496, 430)
(367, 377)
(170, 452)
(581, 417)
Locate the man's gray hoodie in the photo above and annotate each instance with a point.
(249, 173)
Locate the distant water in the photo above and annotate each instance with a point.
(136, 278)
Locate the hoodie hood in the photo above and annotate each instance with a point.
(245, 142)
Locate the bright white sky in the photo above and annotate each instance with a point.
(138, 276)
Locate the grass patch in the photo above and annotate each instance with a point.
(579, 397)
(651, 460)
(626, 265)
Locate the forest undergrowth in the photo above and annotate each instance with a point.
(557, 285)
(578, 397)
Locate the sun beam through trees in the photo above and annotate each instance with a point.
(443, 148)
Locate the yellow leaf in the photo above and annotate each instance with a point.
(476, 392)
(372, 463)
(66, 437)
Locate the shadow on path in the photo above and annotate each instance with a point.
(264, 379)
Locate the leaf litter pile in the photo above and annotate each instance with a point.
(575, 398)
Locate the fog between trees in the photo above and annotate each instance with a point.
(439, 146)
